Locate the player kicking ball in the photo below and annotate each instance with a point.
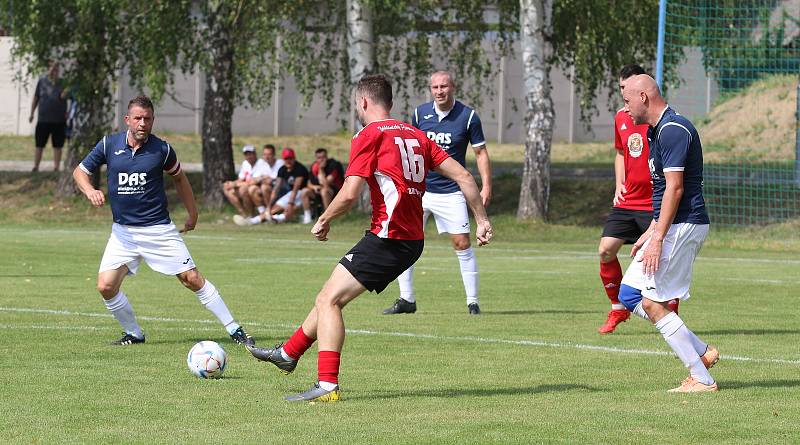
(136, 161)
(393, 158)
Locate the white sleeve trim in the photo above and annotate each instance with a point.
(167, 156)
(416, 116)
(479, 144)
(85, 170)
(469, 121)
(674, 169)
(677, 125)
(104, 148)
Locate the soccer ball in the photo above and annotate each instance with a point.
(207, 360)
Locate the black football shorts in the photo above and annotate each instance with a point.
(375, 262)
(626, 224)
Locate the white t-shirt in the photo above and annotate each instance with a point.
(262, 168)
(246, 170)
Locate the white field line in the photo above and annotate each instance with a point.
(536, 343)
(488, 250)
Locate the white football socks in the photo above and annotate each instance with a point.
(678, 337)
(406, 283)
(639, 310)
(262, 209)
(121, 308)
(280, 217)
(212, 300)
(254, 219)
(469, 273)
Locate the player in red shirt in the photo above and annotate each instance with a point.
(633, 203)
(393, 158)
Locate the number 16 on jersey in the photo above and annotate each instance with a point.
(413, 164)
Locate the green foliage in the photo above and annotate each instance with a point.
(599, 40)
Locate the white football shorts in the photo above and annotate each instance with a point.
(161, 247)
(283, 201)
(448, 209)
(674, 274)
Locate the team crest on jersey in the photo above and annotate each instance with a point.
(635, 145)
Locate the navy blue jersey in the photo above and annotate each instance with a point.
(458, 128)
(135, 179)
(675, 146)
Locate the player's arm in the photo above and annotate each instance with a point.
(669, 207)
(91, 163)
(485, 170)
(619, 176)
(453, 170)
(343, 201)
(643, 238)
(84, 184)
(185, 193)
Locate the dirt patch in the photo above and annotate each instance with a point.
(757, 123)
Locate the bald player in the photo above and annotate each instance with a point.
(664, 254)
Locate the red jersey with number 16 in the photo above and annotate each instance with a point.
(631, 140)
(394, 158)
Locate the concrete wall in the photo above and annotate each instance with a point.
(285, 115)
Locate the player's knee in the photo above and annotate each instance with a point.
(192, 279)
(629, 296)
(325, 301)
(106, 288)
(461, 243)
(606, 254)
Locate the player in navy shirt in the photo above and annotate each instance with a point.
(665, 253)
(136, 161)
(453, 126)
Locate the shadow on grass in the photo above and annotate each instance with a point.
(761, 331)
(778, 383)
(474, 392)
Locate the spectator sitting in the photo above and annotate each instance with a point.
(236, 190)
(290, 186)
(265, 175)
(327, 177)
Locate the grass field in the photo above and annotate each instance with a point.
(531, 369)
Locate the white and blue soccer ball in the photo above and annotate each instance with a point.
(207, 360)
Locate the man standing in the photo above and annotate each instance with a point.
(665, 253)
(392, 158)
(633, 203)
(453, 126)
(50, 98)
(136, 161)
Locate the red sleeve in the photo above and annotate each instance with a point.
(617, 138)
(437, 154)
(363, 154)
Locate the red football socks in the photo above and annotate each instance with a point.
(328, 366)
(297, 344)
(611, 275)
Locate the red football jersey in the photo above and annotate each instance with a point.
(394, 157)
(631, 140)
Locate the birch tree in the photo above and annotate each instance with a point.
(535, 16)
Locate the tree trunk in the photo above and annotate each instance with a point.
(218, 113)
(535, 16)
(361, 54)
(91, 124)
